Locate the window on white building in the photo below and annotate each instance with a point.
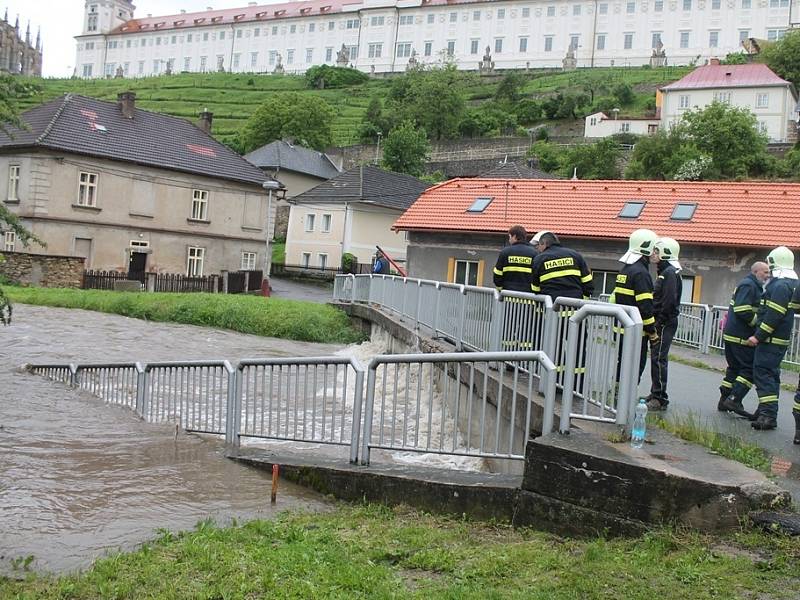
(91, 24)
(576, 10)
(658, 6)
(310, 55)
(203, 63)
(428, 50)
(13, 183)
(548, 43)
(746, 4)
(253, 59)
(249, 261)
(684, 43)
(326, 223)
(220, 62)
(353, 23)
(310, 219)
(655, 39)
(574, 41)
(551, 11)
(352, 52)
(406, 19)
(194, 261)
(331, 26)
(273, 54)
(779, 3)
(473, 46)
(526, 12)
(200, 205)
(187, 63)
(141, 67)
(602, 8)
(683, 101)
(601, 41)
(87, 70)
(743, 35)
(110, 68)
(627, 41)
(713, 39)
(451, 47)
(476, 15)
(90, 45)
(498, 45)
(762, 127)
(9, 241)
(376, 21)
(290, 56)
(625, 127)
(723, 97)
(87, 189)
(716, 4)
(431, 18)
(762, 100)
(275, 29)
(403, 49)
(501, 13)
(774, 35)
(630, 7)
(453, 17)
(523, 44)
(205, 37)
(323, 260)
(328, 55)
(687, 4)
(306, 260)
(257, 30)
(293, 28)
(237, 58)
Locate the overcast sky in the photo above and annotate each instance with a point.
(61, 20)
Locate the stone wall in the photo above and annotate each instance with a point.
(42, 270)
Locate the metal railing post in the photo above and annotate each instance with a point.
(567, 392)
(437, 304)
(416, 307)
(358, 401)
(73, 375)
(462, 317)
(497, 322)
(369, 401)
(141, 385)
(707, 323)
(234, 404)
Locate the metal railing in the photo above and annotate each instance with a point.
(448, 404)
(485, 320)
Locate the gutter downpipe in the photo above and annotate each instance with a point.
(594, 34)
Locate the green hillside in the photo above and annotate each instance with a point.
(234, 97)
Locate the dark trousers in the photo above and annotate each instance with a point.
(659, 360)
(739, 375)
(767, 377)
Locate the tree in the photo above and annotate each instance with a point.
(783, 57)
(593, 161)
(406, 149)
(662, 155)
(510, 88)
(304, 118)
(326, 76)
(623, 94)
(547, 155)
(374, 121)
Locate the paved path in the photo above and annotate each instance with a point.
(293, 289)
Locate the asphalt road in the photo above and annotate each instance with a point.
(293, 289)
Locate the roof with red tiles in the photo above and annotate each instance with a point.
(727, 76)
(726, 214)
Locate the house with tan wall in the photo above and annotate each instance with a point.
(351, 213)
(132, 190)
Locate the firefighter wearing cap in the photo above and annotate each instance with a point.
(634, 285)
(772, 335)
(514, 268)
(560, 272)
(740, 324)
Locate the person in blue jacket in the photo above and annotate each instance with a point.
(381, 266)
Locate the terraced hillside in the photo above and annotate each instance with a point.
(234, 97)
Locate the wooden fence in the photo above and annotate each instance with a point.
(238, 281)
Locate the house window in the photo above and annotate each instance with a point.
(352, 23)
(713, 39)
(779, 3)
(205, 37)
(762, 127)
(551, 11)
(194, 261)
(743, 35)
(628, 41)
(257, 30)
(576, 10)
(746, 4)
(310, 55)
(187, 63)
(593, 121)
(404, 50)
(306, 259)
(9, 239)
(603, 9)
(376, 21)
(604, 281)
(655, 39)
(773, 35)
(574, 41)
(203, 63)
(87, 70)
(658, 6)
(715, 4)
(523, 44)
(480, 204)
(331, 26)
(687, 4)
(92, 23)
(630, 8)
(87, 189)
(249, 261)
(501, 13)
(683, 211)
(631, 210)
(323, 260)
(473, 46)
(625, 127)
(310, 218)
(476, 15)
(723, 97)
(453, 17)
(762, 100)
(684, 39)
(326, 223)
(430, 19)
(13, 183)
(141, 67)
(466, 272)
(236, 60)
(374, 50)
(548, 43)
(601, 41)
(683, 101)
(253, 59)
(428, 48)
(328, 55)
(293, 28)
(498, 45)
(200, 205)
(275, 28)
(526, 12)
(352, 52)
(451, 47)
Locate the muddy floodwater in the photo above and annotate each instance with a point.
(79, 478)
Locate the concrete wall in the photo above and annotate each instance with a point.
(599, 125)
(42, 270)
(139, 204)
(715, 270)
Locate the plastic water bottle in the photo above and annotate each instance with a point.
(639, 424)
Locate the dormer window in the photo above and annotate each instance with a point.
(324, 8)
(179, 23)
(279, 13)
(199, 20)
(632, 209)
(683, 211)
(216, 19)
(305, 11)
(157, 25)
(480, 204)
(238, 17)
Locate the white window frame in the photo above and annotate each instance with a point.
(601, 41)
(684, 38)
(195, 257)
(310, 221)
(627, 40)
(468, 266)
(199, 205)
(762, 100)
(684, 101)
(523, 45)
(87, 188)
(548, 43)
(375, 50)
(403, 50)
(9, 241)
(473, 46)
(551, 11)
(723, 97)
(249, 260)
(13, 183)
(498, 45)
(322, 257)
(428, 49)
(713, 38)
(327, 218)
(305, 259)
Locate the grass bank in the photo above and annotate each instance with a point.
(274, 317)
(375, 552)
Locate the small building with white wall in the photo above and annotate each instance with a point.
(600, 125)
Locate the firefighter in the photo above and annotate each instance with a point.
(559, 271)
(740, 324)
(514, 268)
(634, 286)
(667, 292)
(772, 335)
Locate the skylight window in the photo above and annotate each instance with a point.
(631, 210)
(683, 211)
(480, 204)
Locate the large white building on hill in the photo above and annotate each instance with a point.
(383, 35)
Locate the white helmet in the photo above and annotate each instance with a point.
(641, 243)
(669, 249)
(536, 238)
(781, 263)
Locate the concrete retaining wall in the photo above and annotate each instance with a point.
(42, 270)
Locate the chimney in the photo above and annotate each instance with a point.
(714, 61)
(206, 118)
(127, 104)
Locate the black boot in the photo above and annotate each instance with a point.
(722, 397)
(796, 428)
(733, 404)
(763, 423)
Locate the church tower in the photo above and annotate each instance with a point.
(101, 16)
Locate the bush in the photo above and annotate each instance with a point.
(528, 111)
(325, 76)
(349, 262)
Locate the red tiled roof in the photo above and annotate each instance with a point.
(724, 76)
(727, 214)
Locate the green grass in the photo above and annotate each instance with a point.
(689, 428)
(279, 252)
(375, 552)
(274, 317)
